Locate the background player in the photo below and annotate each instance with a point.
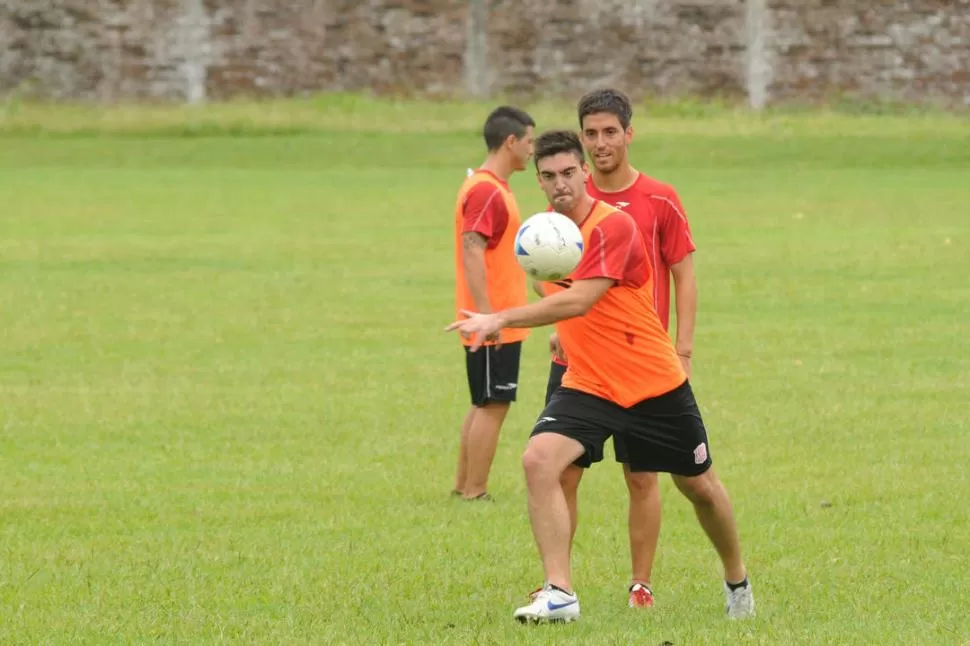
(487, 278)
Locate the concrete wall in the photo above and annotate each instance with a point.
(767, 50)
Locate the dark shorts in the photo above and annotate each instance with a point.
(493, 374)
(556, 372)
(663, 434)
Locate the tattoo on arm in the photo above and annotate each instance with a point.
(473, 240)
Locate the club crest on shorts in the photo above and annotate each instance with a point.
(700, 454)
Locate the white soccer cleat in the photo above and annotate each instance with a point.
(740, 602)
(549, 605)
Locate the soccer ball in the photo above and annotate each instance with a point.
(548, 246)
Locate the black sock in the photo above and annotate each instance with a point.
(556, 587)
(737, 586)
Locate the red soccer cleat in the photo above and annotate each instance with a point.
(640, 596)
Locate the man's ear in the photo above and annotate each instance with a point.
(511, 140)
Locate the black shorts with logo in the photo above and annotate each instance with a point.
(493, 373)
(663, 434)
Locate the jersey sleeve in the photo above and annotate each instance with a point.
(484, 212)
(612, 244)
(675, 238)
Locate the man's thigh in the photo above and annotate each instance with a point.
(588, 419)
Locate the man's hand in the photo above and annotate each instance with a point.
(556, 348)
(478, 327)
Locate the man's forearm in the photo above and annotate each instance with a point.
(563, 305)
(685, 291)
(575, 301)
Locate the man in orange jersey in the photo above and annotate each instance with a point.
(604, 120)
(624, 377)
(488, 279)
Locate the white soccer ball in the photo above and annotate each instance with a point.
(548, 246)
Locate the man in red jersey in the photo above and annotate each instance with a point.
(604, 119)
(624, 379)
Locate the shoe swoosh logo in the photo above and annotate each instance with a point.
(556, 606)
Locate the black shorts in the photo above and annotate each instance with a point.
(556, 372)
(663, 434)
(493, 374)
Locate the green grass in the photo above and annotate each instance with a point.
(229, 412)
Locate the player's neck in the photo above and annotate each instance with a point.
(582, 209)
(621, 179)
(498, 166)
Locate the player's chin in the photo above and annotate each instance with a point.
(563, 203)
(605, 165)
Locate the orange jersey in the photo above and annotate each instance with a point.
(619, 350)
(486, 206)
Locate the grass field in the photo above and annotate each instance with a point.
(229, 412)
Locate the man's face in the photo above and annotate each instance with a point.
(523, 148)
(605, 141)
(562, 178)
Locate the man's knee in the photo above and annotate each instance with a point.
(547, 455)
(700, 490)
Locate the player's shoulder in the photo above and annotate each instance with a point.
(480, 185)
(649, 186)
(612, 218)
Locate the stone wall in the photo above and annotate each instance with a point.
(782, 50)
(915, 50)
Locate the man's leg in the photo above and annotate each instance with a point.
(644, 522)
(482, 441)
(570, 487)
(573, 473)
(716, 515)
(670, 436)
(462, 471)
(546, 457)
(571, 429)
(493, 373)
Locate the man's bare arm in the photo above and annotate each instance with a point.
(685, 292)
(568, 303)
(473, 246)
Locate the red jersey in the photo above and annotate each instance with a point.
(663, 224)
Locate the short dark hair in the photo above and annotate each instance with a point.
(607, 100)
(553, 142)
(504, 121)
